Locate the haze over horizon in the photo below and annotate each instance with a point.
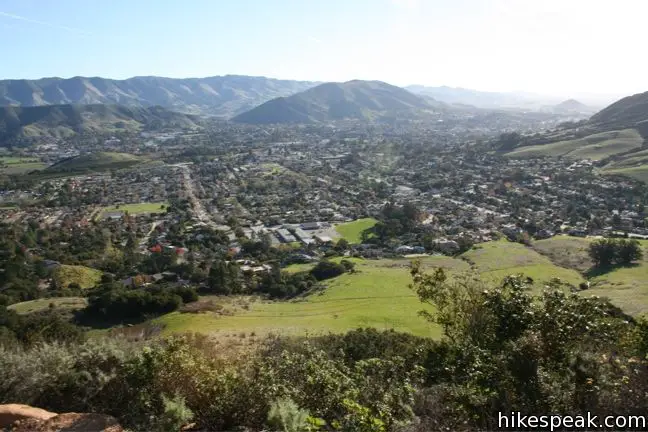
(567, 49)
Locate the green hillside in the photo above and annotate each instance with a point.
(85, 277)
(627, 287)
(60, 304)
(495, 260)
(596, 147)
(378, 294)
(352, 231)
(94, 162)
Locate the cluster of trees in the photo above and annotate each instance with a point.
(328, 269)
(395, 220)
(278, 284)
(508, 141)
(608, 252)
(225, 278)
(111, 302)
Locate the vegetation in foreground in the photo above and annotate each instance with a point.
(502, 350)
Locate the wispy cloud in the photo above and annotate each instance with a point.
(407, 4)
(43, 23)
(314, 39)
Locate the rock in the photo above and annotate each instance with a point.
(11, 413)
(70, 422)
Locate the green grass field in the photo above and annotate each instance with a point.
(626, 287)
(495, 260)
(376, 296)
(86, 277)
(20, 165)
(595, 147)
(137, 209)
(60, 303)
(352, 231)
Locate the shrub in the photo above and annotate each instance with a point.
(327, 270)
(286, 416)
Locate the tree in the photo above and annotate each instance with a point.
(603, 252)
(342, 245)
(327, 269)
(606, 252)
(629, 251)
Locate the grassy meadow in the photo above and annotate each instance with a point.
(626, 287)
(85, 277)
(19, 165)
(377, 295)
(60, 303)
(352, 231)
(137, 209)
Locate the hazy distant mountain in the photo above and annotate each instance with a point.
(356, 99)
(66, 120)
(223, 96)
(572, 106)
(482, 99)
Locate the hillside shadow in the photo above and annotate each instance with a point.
(600, 271)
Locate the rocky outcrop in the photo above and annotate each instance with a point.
(23, 418)
(11, 413)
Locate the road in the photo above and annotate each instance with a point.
(190, 188)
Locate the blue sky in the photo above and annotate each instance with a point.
(551, 46)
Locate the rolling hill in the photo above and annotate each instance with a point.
(366, 100)
(66, 120)
(222, 96)
(572, 106)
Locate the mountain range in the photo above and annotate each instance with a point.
(365, 100)
(222, 96)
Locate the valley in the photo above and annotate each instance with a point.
(347, 210)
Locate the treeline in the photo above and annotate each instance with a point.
(113, 303)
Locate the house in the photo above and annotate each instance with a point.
(543, 234)
(323, 238)
(577, 233)
(285, 236)
(310, 225)
(447, 246)
(404, 249)
(51, 265)
(112, 215)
